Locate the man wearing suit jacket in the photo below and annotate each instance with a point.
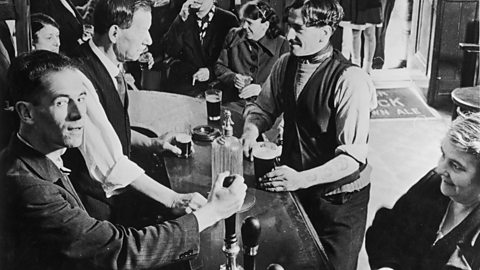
(43, 223)
(66, 15)
(121, 34)
(194, 41)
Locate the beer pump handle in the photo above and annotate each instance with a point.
(250, 235)
(230, 234)
(275, 266)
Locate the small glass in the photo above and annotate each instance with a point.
(247, 80)
(87, 32)
(183, 140)
(144, 60)
(214, 100)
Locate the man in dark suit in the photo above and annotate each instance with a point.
(66, 15)
(44, 224)
(121, 34)
(194, 41)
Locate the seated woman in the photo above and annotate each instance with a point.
(45, 33)
(436, 224)
(249, 53)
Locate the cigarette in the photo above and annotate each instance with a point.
(193, 81)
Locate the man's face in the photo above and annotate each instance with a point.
(133, 41)
(58, 117)
(460, 172)
(202, 7)
(255, 29)
(48, 38)
(303, 40)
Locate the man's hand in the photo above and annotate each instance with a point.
(249, 139)
(202, 75)
(227, 201)
(281, 179)
(187, 203)
(164, 143)
(184, 12)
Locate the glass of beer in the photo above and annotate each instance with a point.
(144, 60)
(183, 140)
(214, 99)
(265, 158)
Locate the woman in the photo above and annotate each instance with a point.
(249, 52)
(362, 16)
(45, 33)
(436, 224)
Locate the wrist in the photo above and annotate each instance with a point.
(306, 179)
(206, 216)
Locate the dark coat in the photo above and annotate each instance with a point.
(117, 113)
(71, 27)
(183, 44)
(242, 56)
(91, 191)
(403, 237)
(44, 225)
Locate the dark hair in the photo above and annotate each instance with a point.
(39, 21)
(26, 72)
(117, 12)
(258, 9)
(319, 12)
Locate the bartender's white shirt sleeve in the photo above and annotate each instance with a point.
(102, 150)
(355, 98)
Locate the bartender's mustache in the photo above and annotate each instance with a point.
(294, 42)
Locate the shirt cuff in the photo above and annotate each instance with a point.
(123, 173)
(356, 151)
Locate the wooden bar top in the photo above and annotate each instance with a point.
(287, 236)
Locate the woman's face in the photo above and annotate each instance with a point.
(255, 29)
(48, 38)
(460, 172)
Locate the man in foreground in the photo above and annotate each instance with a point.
(44, 224)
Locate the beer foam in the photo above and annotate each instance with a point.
(212, 98)
(263, 152)
(183, 138)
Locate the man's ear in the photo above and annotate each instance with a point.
(25, 111)
(267, 24)
(113, 33)
(327, 32)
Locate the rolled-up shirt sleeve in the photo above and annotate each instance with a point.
(102, 150)
(355, 98)
(268, 105)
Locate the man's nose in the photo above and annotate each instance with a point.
(290, 34)
(76, 110)
(148, 40)
(244, 25)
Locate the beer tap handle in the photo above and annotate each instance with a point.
(230, 248)
(230, 234)
(250, 235)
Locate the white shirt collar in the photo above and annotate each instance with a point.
(68, 7)
(55, 156)
(112, 69)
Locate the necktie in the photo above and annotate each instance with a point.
(121, 86)
(203, 24)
